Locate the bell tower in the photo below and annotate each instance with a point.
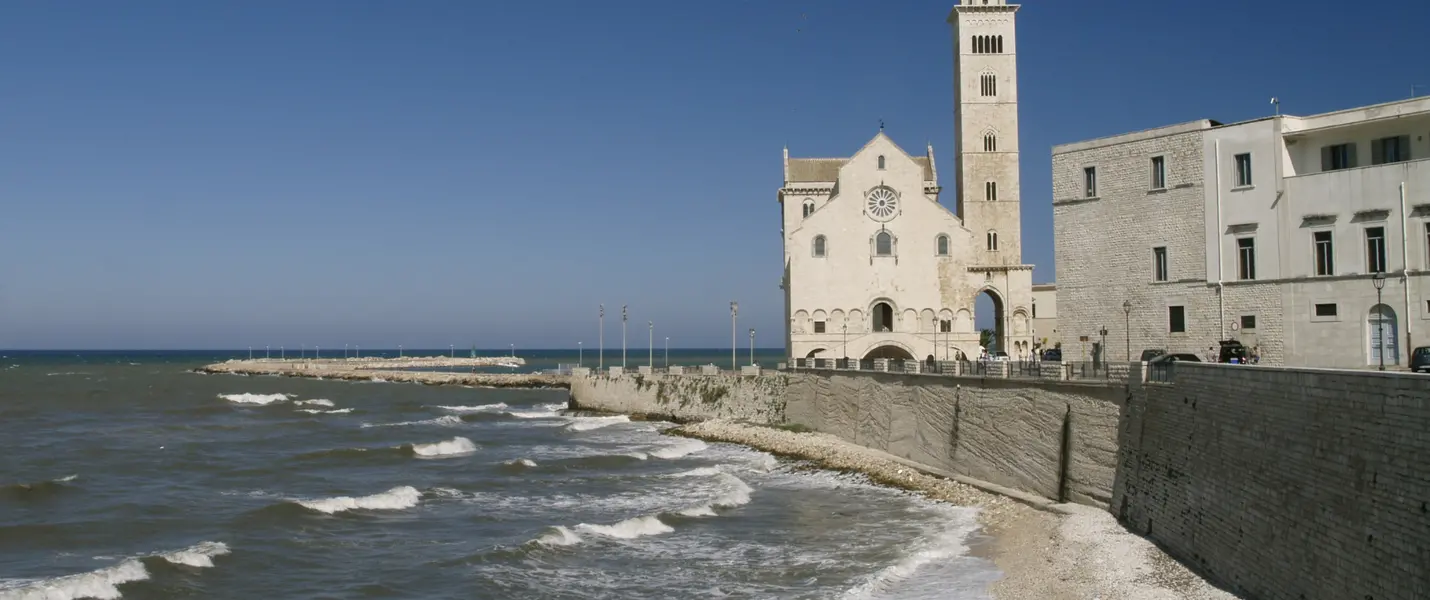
(985, 95)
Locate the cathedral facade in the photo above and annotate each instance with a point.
(876, 266)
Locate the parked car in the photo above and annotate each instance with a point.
(1151, 353)
(1171, 358)
(1232, 351)
(1053, 355)
(1000, 357)
(1420, 360)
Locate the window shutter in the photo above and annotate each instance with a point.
(1326, 158)
(1350, 155)
(1404, 143)
(1377, 152)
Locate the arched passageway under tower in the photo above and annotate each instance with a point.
(989, 315)
(888, 351)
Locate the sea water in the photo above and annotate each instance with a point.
(130, 477)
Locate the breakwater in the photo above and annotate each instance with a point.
(1293, 484)
(404, 370)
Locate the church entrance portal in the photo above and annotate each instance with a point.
(883, 318)
(987, 303)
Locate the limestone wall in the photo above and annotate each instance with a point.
(1006, 432)
(1284, 483)
(759, 399)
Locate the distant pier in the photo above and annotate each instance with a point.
(398, 370)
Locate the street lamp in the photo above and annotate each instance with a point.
(752, 346)
(451, 351)
(317, 352)
(580, 354)
(399, 351)
(844, 328)
(265, 353)
(623, 336)
(601, 340)
(357, 350)
(734, 310)
(667, 352)
(650, 344)
(513, 350)
(1379, 281)
(1127, 320)
(250, 353)
(345, 350)
(282, 354)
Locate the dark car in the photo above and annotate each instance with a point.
(1053, 355)
(1151, 353)
(1420, 360)
(1171, 358)
(1232, 351)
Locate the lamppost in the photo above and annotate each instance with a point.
(623, 336)
(250, 353)
(282, 354)
(601, 340)
(399, 351)
(752, 346)
(513, 350)
(667, 352)
(1127, 321)
(266, 353)
(357, 350)
(345, 350)
(734, 310)
(1379, 281)
(302, 351)
(844, 328)
(317, 352)
(580, 354)
(650, 344)
(1102, 348)
(451, 351)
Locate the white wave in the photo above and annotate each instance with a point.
(336, 411)
(629, 528)
(315, 402)
(396, 498)
(446, 421)
(67, 478)
(939, 548)
(737, 493)
(523, 462)
(589, 423)
(637, 455)
(378, 380)
(64, 373)
(99, 583)
(456, 446)
(679, 449)
(558, 536)
(447, 492)
(259, 399)
(477, 408)
(197, 555)
(542, 411)
(700, 472)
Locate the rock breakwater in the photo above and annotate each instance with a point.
(388, 370)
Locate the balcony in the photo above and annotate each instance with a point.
(1346, 193)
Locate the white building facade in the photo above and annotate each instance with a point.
(876, 266)
(1045, 316)
(1269, 232)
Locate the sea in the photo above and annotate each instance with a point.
(127, 475)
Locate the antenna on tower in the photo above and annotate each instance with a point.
(881, 124)
(1277, 103)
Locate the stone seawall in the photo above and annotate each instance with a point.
(354, 370)
(1294, 484)
(683, 398)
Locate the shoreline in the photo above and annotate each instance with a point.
(1049, 551)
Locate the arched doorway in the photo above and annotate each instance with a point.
(883, 317)
(816, 353)
(1382, 334)
(889, 351)
(988, 317)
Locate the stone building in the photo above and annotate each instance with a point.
(875, 265)
(1268, 231)
(1045, 316)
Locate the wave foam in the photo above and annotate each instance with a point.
(456, 446)
(630, 528)
(198, 555)
(315, 411)
(315, 402)
(259, 399)
(542, 411)
(589, 423)
(945, 545)
(396, 498)
(446, 421)
(558, 536)
(523, 462)
(477, 408)
(99, 583)
(700, 472)
(679, 449)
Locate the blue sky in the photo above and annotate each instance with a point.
(223, 174)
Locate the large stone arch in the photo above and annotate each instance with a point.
(889, 349)
(999, 340)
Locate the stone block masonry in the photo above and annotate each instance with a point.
(1293, 484)
(682, 398)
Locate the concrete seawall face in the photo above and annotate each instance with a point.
(759, 399)
(1008, 433)
(1284, 483)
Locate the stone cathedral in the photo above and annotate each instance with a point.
(875, 265)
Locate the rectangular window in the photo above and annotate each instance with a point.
(819, 326)
(1339, 156)
(1375, 249)
(1177, 319)
(1248, 321)
(1390, 150)
(1246, 258)
(1325, 310)
(1089, 181)
(1159, 173)
(1159, 263)
(1325, 253)
(946, 326)
(1243, 170)
(1035, 311)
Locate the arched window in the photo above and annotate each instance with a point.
(808, 206)
(819, 244)
(993, 241)
(977, 44)
(941, 245)
(988, 85)
(990, 142)
(990, 191)
(881, 162)
(999, 48)
(884, 244)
